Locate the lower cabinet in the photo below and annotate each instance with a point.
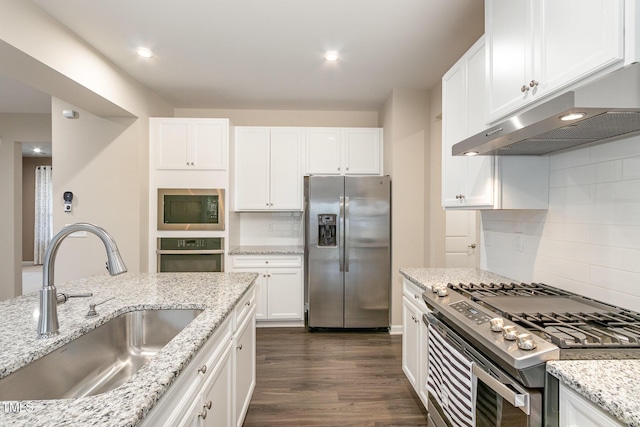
(415, 361)
(279, 287)
(215, 388)
(577, 411)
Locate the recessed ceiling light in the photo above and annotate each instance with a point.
(145, 52)
(331, 55)
(572, 116)
(37, 150)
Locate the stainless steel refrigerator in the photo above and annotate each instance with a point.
(348, 251)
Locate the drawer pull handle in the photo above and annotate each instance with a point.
(239, 347)
(203, 369)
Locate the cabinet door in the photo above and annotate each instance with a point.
(323, 150)
(261, 289)
(285, 166)
(209, 144)
(576, 411)
(361, 151)
(245, 366)
(284, 293)
(252, 168)
(573, 48)
(216, 408)
(410, 341)
(509, 44)
(171, 139)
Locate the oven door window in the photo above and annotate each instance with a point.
(190, 263)
(493, 410)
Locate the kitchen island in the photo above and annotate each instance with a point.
(612, 385)
(127, 405)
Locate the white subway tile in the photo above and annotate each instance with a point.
(622, 236)
(609, 171)
(580, 175)
(570, 159)
(618, 280)
(619, 149)
(576, 232)
(580, 194)
(631, 167)
(556, 178)
(631, 260)
(630, 214)
(605, 256)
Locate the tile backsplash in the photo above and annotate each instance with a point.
(271, 228)
(588, 241)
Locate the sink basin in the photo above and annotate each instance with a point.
(99, 360)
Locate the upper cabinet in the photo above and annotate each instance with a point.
(343, 151)
(190, 144)
(466, 181)
(268, 168)
(482, 182)
(536, 47)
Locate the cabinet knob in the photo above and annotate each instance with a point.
(416, 296)
(524, 88)
(239, 347)
(338, 168)
(459, 196)
(203, 369)
(203, 414)
(472, 246)
(208, 405)
(347, 168)
(248, 303)
(533, 83)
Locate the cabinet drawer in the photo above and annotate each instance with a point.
(251, 261)
(414, 293)
(244, 307)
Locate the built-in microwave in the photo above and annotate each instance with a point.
(190, 209)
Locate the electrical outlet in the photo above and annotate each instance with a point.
(519, 242)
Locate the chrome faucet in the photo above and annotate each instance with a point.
(48, 325)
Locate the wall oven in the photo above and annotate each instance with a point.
(190, 255)
(190, 209)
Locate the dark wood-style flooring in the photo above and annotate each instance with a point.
(331, 379)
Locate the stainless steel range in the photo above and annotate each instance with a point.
(491, 342)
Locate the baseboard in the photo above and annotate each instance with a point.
(280, 324)
(395, 330)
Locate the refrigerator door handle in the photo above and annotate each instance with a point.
(341, 235)
(346, 233)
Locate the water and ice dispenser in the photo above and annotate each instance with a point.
(327, 230)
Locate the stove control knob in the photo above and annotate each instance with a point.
(526, 342)
(497, 323)
(443, 291)
(510, 333)
(435, 287)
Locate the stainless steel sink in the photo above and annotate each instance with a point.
(99, 360)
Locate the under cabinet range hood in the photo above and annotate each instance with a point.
(603, 109)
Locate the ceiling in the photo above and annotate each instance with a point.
(259, 54)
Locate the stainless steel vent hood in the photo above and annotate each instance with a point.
(611, 108)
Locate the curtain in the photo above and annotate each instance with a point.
(43, 230)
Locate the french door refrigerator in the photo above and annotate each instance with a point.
(347, 251)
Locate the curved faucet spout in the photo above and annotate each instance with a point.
(48, 322)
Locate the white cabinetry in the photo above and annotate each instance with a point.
(268, 168)
(480, 182)
(215, 388)
(190, 144)
(576, 411)
(343, 151)
(279, 287)
(535, 47)
(414, 339)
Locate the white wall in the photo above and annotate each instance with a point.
(406, 119)
(589, 239)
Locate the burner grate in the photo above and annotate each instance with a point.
(477, 291)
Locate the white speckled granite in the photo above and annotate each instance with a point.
(127, 405)
(267, 250)
(427, 277)
(611, 384)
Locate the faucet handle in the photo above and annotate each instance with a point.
(62, 297)
(92, 308)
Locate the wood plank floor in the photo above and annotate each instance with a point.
(331, 379)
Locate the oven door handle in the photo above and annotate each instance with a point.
(189, 252)
(516, 399)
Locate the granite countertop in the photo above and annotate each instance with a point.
(215, 293)
(610, 384)
(427, 277)
(267, 250)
